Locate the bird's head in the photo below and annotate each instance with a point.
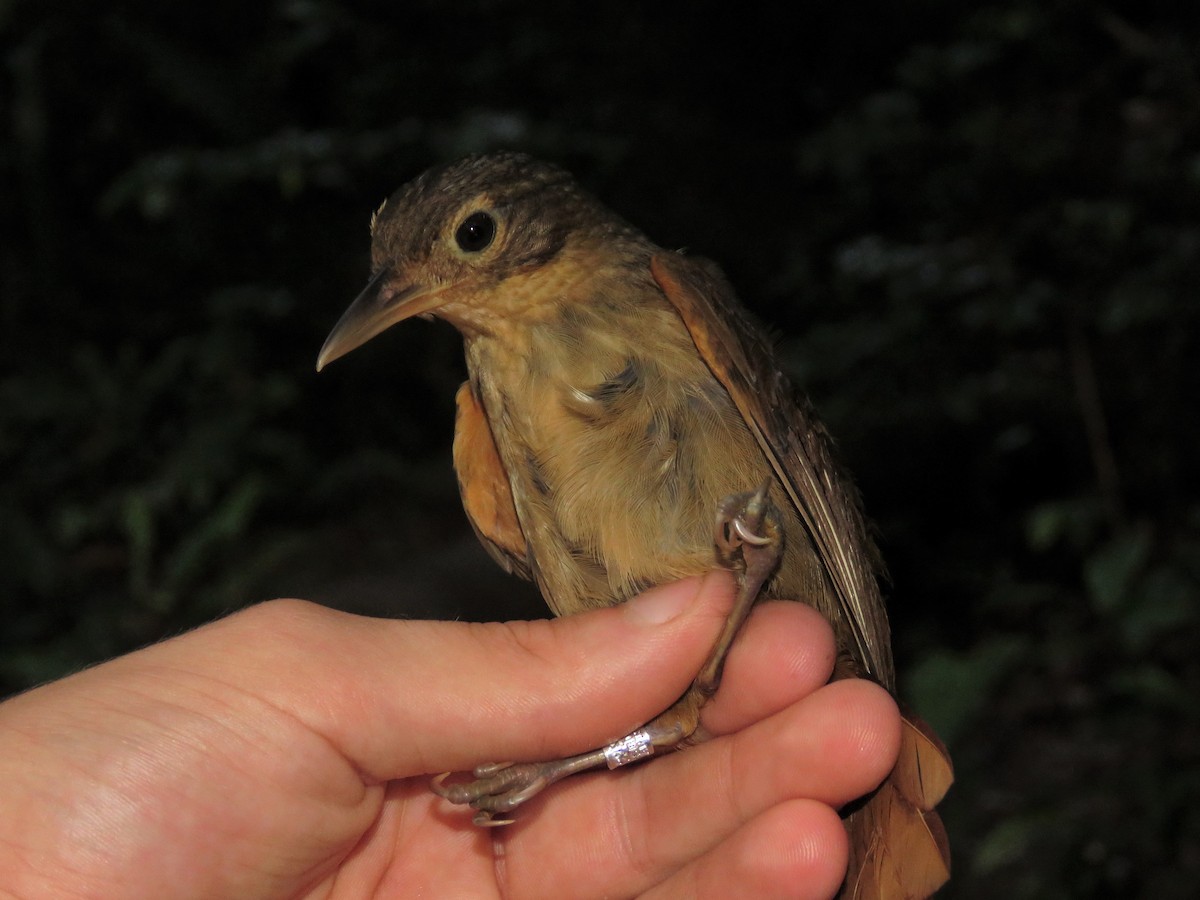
(444, 243)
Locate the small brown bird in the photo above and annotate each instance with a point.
(619, 396)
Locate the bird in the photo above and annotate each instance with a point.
(625, 423)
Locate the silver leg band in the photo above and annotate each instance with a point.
(629, 749)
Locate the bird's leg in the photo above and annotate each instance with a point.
(748, 539)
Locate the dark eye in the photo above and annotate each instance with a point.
(476, 232)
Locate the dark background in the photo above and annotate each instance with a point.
(976, 228)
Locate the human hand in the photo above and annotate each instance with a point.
(285, 752)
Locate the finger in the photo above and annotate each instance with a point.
(404, 698)
(795, 850)
(785, 652)
(833, 746)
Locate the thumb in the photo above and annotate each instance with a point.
(400, 698)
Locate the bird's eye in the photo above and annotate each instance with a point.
(476, 232)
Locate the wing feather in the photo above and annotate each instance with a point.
(793, 442)
(483, 483)
(898, 845)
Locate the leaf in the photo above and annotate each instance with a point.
(1109, 572)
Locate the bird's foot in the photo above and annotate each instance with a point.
(499, 788)
(748, 536)
(749, 540)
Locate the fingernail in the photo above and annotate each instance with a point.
(660, 605)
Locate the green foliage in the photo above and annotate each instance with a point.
(975, 228)
(142, 468)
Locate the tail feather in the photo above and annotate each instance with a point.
(923, 771)
(898, 846)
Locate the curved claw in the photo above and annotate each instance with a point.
(485, 819)
(746, 535)
(740, 520)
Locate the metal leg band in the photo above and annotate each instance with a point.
(629, 749)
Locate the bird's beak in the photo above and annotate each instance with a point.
(382, 303)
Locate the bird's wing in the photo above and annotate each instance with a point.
(898, 845)
(483, 483)
(793, 442)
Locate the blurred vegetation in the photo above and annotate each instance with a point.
(975, 227)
